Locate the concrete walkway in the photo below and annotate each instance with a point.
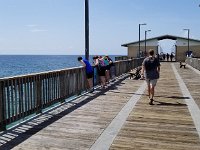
(120, 118)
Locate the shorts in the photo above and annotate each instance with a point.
(152, 82)
(101, 71)
(89, 75)
(107, 67)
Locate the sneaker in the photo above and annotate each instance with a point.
(151, 101)
(91, 91)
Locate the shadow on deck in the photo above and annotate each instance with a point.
(16, 135)
(167, 124)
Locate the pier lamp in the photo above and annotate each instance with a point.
(86, 29)
(146, 41)
(188, 30)
(139, 36)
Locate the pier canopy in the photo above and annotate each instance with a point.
(181, 46)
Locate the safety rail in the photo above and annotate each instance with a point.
(194, 62)
(21, 96)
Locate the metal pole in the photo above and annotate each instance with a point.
(146, 41)
(188, 41)
(139, 37)
(86, 30)
(139, 41)
(188, 30)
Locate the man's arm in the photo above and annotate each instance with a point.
(142, 71)
(158, 68)
(82, 62)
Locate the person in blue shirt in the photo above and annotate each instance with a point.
(89, 71)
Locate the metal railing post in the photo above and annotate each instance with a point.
(2, 107)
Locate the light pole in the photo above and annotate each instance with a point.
(146, 41)
(188, 30)
(139, 36)
(86, 30)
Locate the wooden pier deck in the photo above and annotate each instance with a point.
(120, 117)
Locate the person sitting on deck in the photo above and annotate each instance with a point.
(182, 64)
(136, 73)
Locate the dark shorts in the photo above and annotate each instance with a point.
(89, 75)
(101, 71)
(107, 67)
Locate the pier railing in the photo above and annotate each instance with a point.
(194, 62)
(21, 96)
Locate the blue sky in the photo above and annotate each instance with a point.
(57, 26)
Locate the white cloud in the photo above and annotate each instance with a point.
(38, 30)
(35, 28)
(32, 25)
(70, 47)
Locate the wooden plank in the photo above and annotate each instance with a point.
(80, 128)
(165, 125)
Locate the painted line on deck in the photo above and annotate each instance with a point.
(107, 137)
(194, 69)
(192, 106)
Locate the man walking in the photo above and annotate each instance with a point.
(151, 71)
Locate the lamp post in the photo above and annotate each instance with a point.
(86, 30)
(188, 30)
(146, 42)
(139, 36)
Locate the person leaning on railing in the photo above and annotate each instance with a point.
(89, 71)
(101, 69)
(107, 67)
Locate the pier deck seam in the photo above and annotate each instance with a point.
(106, 138)
(192, 106)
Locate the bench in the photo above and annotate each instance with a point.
(136, 73)
(182, 64)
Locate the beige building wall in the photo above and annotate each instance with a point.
(181, 48)
(155, 48)
(133, 50)
(181, 52)
(195, 50)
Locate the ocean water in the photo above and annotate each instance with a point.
(13, 65)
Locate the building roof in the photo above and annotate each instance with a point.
(171, 37)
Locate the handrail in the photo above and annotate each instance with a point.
(21, 96)
(194, 62)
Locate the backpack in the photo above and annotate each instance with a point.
(101, 64)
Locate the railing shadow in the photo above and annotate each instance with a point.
(173, 97)
(169, 104)
(18, 134)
